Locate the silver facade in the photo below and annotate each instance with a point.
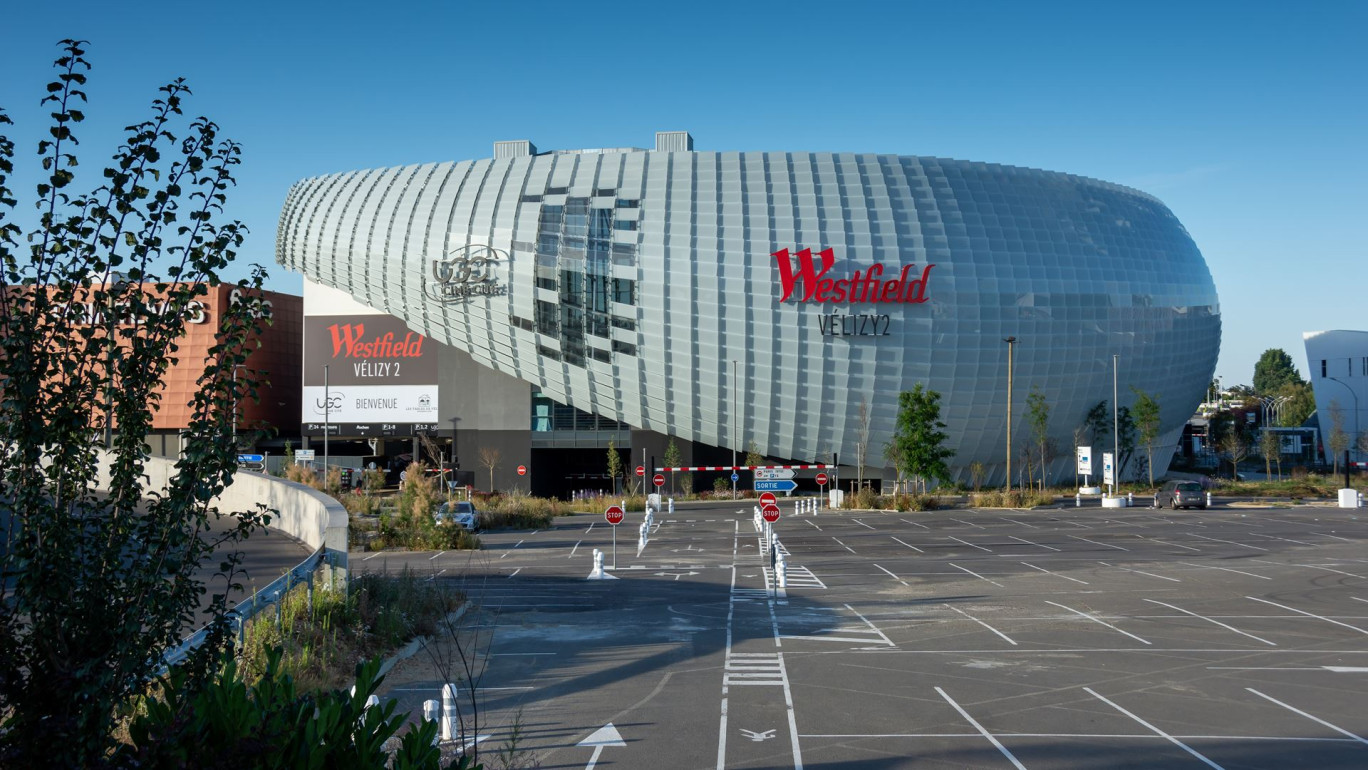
(681, 242)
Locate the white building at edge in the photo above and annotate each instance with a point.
(732, 300)
(1338, 365)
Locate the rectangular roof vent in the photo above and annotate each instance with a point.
(520, 148)
(674, 141)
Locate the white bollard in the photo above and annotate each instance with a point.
(781, 570)
(671, 505)
(449, 727)
(1130, 499)
(432, 711)
(1078, 500)
(1208, 499)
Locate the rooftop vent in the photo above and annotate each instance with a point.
(674, 141)
(520, 148)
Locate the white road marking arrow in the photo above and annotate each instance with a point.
(758, 737)
(604, 736)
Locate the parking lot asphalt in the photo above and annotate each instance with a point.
(1049, 638)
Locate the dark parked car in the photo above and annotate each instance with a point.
(1180, 494)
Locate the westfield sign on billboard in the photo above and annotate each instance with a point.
(870, 284)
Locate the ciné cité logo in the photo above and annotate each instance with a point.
(465, 272)
(866, 285)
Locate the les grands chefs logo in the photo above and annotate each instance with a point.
(349, 341)
(867, 285)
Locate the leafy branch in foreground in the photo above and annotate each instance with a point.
(99, 568)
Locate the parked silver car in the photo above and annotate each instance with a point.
(461, 512)
(1180, 494)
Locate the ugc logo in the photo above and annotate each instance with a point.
(465, 272)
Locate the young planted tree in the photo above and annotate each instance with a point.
(1038, 418)
(614, 464)
(920, 437)
(1235, 445)
(673, 460)
(490, 459)
(1147, 421)
(893, 454)
(98, 584)
(1268, 447)
(1337, 440)
(861, 441)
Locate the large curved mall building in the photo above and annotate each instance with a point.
(736, 300)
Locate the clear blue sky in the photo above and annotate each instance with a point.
(1250, 120)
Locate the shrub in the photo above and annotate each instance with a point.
(1017, 498)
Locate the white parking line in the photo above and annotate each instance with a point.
(913, 523)
(975, 574)
(1096, 620)
(435, 555)
(861, 523)
(1226, 569)
(1284, 539)
(591, 527)
(516, 571)
(809, 521)
(1318, 566)
(982, 731)
(971, 545)
(981, 623)
(1055, 574)
(1022, 523)
(1232, 542)
(1094, 542)
(576, 548)
(1139, 572)
(1175, 545)
(895, 577)
(1156, 730)
(1317, 720)
(1028, 542)
(372, 556)
(969, 523)
(843, 545)
(909, 545)
(1308, 614)
(1337, 537)
(1209, 620)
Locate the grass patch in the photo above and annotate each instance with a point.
(1017, 498)
(321, 647)
(1296, 488)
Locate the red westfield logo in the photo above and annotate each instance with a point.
(867, 285)
(350, 340)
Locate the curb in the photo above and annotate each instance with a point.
(416, 644)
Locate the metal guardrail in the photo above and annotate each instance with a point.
(270, 596)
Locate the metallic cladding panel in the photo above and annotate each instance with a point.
(1076, 269)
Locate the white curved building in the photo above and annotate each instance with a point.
(630, 283)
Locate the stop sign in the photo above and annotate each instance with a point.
(613, 515)
(821, 479)
(768, 498)
(641, 470)
(770, 512)
(659, 480)
(522, 470)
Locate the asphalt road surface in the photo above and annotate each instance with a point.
(1064, 638)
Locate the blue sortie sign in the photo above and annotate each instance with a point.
(250, 458)
(776, 485)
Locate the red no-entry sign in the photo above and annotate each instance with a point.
(770, 512)
(641, 470)
(768, 498)
(614, 515)
(821, 479)
(659, 480)
(522, 470)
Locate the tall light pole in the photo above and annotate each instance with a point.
(1354, 441)
(735, 420)
(1116, 430)
(327, 421)
(1011, 343)
(455, 458)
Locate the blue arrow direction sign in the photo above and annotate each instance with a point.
(251, 458)
(777, 485)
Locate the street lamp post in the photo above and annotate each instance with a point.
(735, 420)
(1356, 410)
(1011, 343)
(455, 458)
(1116, 430)
(327, 422)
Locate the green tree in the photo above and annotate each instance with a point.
(98, 586)
(673, 460)
(1269, 448)
(1147, 421)
(1299, 403)
(1038, 418)
(614, 464)
(1274, 370)
(753, 456)
(1337, 438)
(920, 437)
